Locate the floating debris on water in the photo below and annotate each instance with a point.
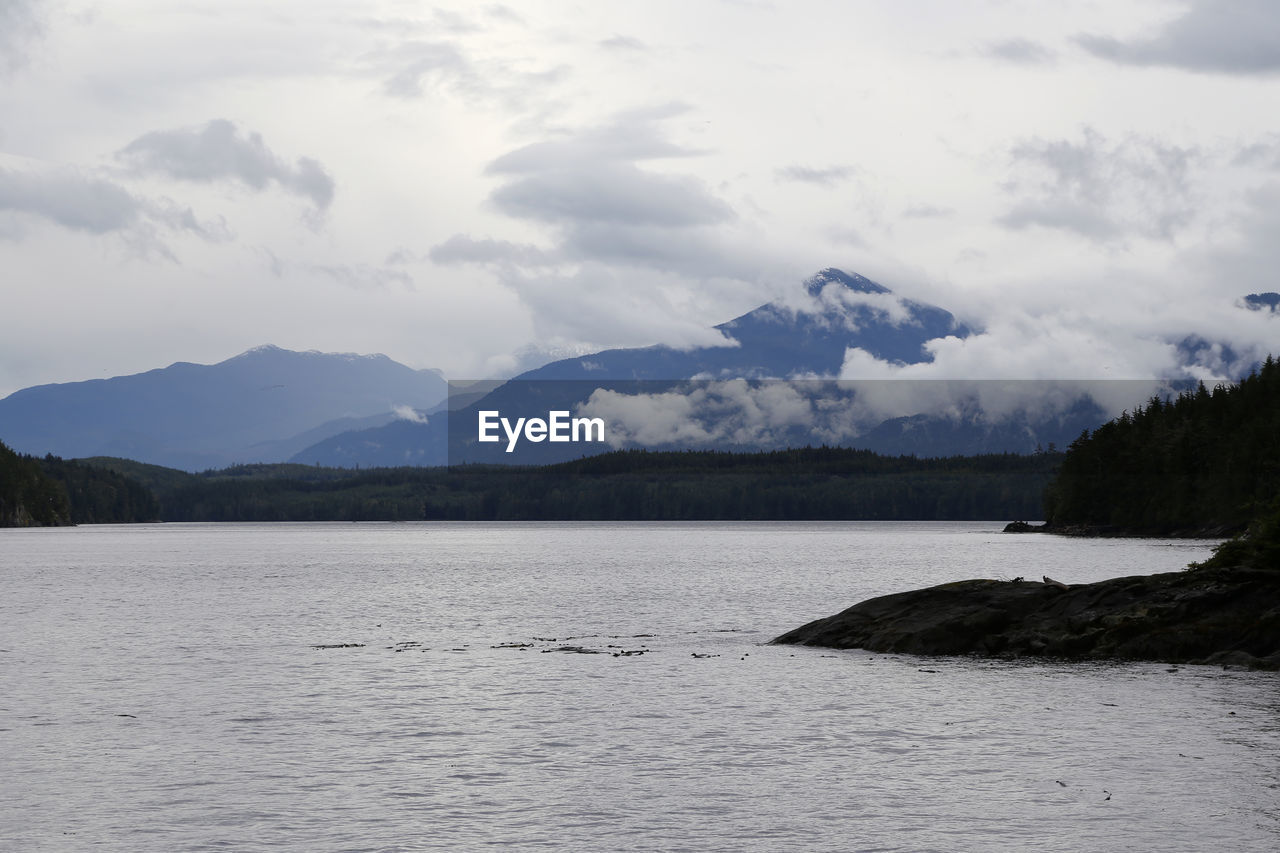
(581, 650)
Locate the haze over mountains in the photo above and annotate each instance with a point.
(274, 405)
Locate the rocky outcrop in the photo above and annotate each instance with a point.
(1103, 531)
(1206, 615)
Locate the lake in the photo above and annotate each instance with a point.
(587, 687)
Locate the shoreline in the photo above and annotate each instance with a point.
(1107, 531)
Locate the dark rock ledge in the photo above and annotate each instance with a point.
(1214, 616)
(1109, 531)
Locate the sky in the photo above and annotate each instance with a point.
(478, 188)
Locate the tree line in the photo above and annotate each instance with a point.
(1207, 461)
(53, 491)
(28, 496)
(807, 483)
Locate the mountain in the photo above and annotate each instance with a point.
(791, 340)
(772, 385)
(1263, 302)
(260, 406)
(783, 341)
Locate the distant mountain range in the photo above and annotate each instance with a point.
(666, 398)
(771, 384)
(263, 405)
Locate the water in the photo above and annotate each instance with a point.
(161, 689)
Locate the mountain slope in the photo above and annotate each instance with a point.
(250, 408)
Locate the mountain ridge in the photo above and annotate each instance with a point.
(193, 416)
(806, 336)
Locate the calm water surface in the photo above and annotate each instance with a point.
(588, 687)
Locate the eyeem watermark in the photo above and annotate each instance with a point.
(557, 427)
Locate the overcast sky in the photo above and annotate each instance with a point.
(463, 186)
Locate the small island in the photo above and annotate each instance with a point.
(1205, 463)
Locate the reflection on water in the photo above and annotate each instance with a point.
(586, 687)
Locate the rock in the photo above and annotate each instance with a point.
(1023, 527)
(1224, 616)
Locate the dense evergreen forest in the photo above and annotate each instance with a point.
(28, 496)
(52, 491)
(809, 483)
(98, 495)
(1206, 462)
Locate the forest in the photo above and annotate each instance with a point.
(807, 483)
(1204, 463)
(28, 496)
(53, 492)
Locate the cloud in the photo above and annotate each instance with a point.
(636, 253)
(452, 22)
(846, 236)
(92, 205)
(463, 249)
(500, 12)
(1249, 254)
(630, 137)
(1109, 334)
(1019, 51)
(1101, 190)
(828, 177)
(593, 305)
(603, 203)
(699, 414)
(831, 304)
(613, 193)
(1215, 36)
(217, 152)
(414, 68)
(364, 276)
(1264, 154)
(408, 413)
(928, 211)
(625, 44)
(21, 23)
(592, 188)
(791, 413)
(421, 62)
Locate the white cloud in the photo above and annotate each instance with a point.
(88, 204)
(217, 152)
(408, 413)
(1102, 190)
(21, 24)
(1020, 51)
(827, 176)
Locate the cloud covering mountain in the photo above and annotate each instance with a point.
(842, 361)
